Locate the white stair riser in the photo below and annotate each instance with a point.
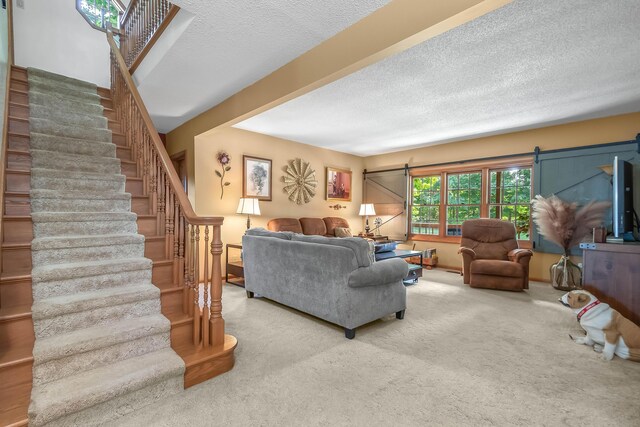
(80, 205)
(65, 255)
(54, 288)
(83, 361)
(45, 328)
(50, 127)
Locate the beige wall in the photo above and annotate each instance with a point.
(202, 164)
(238, 142)
(599, 131)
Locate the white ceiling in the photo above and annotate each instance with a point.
(222, 46)
(529, 64)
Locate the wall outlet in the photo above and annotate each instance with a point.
(20, 4)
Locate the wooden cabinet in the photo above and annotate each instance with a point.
(611, 271)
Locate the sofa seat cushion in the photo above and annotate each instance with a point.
(494, 267)
(285, 224)
(313, 226)
(360, 247)
(331, 222)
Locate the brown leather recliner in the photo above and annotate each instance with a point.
(490, 256)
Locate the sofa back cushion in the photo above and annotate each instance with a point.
(284, 235)
(360, 247)
(285, 224)
(313, 226)
(331, 222)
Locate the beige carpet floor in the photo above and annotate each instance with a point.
(460, 357)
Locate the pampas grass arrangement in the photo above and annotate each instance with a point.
(566, 225)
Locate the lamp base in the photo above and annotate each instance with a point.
(248, 222)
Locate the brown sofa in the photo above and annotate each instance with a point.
(309, 226)
(491, 257)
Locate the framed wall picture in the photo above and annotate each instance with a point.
(338, 184)
(256, 178)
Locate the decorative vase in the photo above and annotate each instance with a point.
(565, 275)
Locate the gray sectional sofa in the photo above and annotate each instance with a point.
(334, 279)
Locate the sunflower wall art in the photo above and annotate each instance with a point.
(299, 181)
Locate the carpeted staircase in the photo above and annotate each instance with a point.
(102, 347)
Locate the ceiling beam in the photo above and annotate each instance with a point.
(396, 27)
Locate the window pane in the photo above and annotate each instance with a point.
(510, 198)
(474, 197)
(453, 181)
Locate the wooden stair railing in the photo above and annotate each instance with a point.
(141, 25)
(192, 242)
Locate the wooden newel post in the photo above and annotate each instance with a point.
(216, 321)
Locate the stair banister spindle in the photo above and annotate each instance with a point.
(216, 320)
(197, 322)
(205, 306)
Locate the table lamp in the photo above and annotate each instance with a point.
(367, 209)
(248, 207)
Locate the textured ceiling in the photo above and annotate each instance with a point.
(528, 64)
(226, 45)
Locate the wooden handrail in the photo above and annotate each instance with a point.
(5, 130)
(183, 231)
(174, 180)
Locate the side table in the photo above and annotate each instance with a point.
(235, 268)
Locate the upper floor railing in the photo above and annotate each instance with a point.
(141, 25)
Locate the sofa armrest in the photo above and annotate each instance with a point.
(379, 273)
(468, 255)
(520, 255)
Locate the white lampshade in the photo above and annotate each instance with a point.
(367, 209)
(249, 207)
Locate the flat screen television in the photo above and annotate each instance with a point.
(622, 198)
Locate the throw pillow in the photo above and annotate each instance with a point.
(343, 232)
(372, 251)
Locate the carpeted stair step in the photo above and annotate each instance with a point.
(50, 179)
(64, 104)
(38, 74)
(63, 249)
(82, 350)
(102, 346)
(80, 93)
(74, 162)
(51, 127)
(70, 278)
(67, 313)
(48, 224)
(105, 393)
(79, 201)
(65, 117)
(61, 144)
